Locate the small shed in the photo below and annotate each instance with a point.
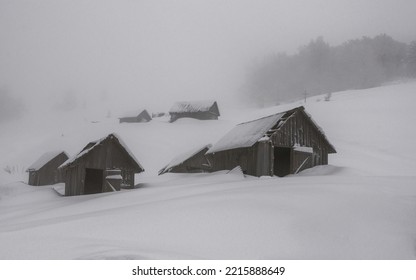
(104, 165)
(44, 171)
(280, 144)
(143, 116)
(193, 161)
(201, 110)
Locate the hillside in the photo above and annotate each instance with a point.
(361, 206)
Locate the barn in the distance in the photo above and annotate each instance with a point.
(143, 116)
(201, 110)
(192, 161)
(281, 144)
(44, 171)
(102, 166)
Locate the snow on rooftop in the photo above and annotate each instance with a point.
(179, 159)
(95, 143)
(80, 154)
(44, 159)
(246, 134)
(194, 106)
(133, 113)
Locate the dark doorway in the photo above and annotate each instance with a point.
(281, 164)
(93, 181)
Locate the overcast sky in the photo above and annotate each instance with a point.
(166, 50)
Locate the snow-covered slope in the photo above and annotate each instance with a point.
(361, 206)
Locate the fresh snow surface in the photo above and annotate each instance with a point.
(361, 206)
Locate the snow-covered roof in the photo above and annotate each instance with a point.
(246, 134)
(179, 159)
(44, 159)
(192, 107)
(94, 144)
(134, 113)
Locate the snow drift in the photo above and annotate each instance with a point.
(361, 206)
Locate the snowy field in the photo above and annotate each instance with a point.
(361, 206)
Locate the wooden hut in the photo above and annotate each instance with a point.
(201, 110)
(192, 161)
(143, 116)
(101, 166)
(281, 144)
(44, 171)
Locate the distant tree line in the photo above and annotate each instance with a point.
(319, 68)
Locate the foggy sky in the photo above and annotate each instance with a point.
(154, 52)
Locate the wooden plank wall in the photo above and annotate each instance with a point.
(259, 159)
(49, 173)
(298, 130)
(105, 156)
(298, 158)
(264, 159)
(227, 160)
(33, 178)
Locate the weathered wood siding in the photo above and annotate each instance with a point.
(299, 130)
(112, 180)
(74, 181)
(129, 120)
(106, 156)
(33, 178)
(142, 117)
(196, 115)
(253, 161)
(214, 109)
(49, 173)
(300, 161)
(264, 164)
